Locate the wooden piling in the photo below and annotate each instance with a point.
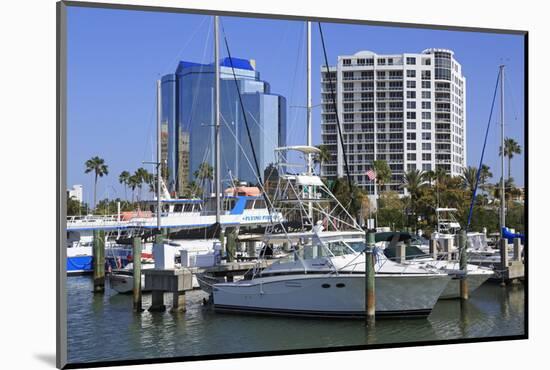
(462, 249)
(448, 245)
(99, 261)
(402, 253)
(222, 243)
(231, 245)
(251, 248)
(517, 249)
(504, 260)
(370, 297)
(136, 261)
(433, 248)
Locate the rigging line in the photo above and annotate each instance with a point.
(149, 134)
(511, 95)
(482, 154)
(199, 80)
(242, 106)
(180, 52)
(268, 201)
(333, 98)
(293, 127)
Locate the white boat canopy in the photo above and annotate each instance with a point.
(309, 180)
(306, 149)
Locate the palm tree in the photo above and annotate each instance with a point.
(205, 172)
(469, 177)
(414, 181)
(142, 176)
(133, 182)
(383, 173)
(322, 157)
(123, 179)
(430, 176)
(511, 147)
(98, 166)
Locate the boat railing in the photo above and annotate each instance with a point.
(93, 219)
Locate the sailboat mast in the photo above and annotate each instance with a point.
(159, 103)
(502, 189)
(217, 116)
(308, 87)
(308, 114)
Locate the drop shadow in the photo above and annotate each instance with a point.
(47, 358)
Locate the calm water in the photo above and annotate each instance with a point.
(103, 327)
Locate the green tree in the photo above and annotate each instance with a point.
(414, 181)
(143, 177)
(511, 147)
(322, 157)
(99, 168)
(469, 177)
(352, 199)
(484, 176)
(75, 208)
(133, 183)
(123, 179)
(205, 172)
(383, 173)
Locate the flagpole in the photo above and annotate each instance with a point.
(375, 202)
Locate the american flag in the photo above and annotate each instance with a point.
(371, 174)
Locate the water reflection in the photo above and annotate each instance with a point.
(104, 327)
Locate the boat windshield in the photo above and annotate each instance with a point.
(329, 249)
(339, 248)
(357, 245)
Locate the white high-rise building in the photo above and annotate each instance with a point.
(406, 109)
(75, 192)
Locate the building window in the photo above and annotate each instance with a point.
(361, 61)
(426, 115)
(426, 84)
(426, 136)
(396, 75)
(426, 146)
(411, 115)
(411, 73)
(411, 136)
(346, 62)
(411, 84)
(411, 94)
(426, 156)
(426, 125)
(390, 61)
(411, 125)
(426, 75)
(411, 105)
(411, 146)
(411, 156)
(348, 86)
(426, 94)
(382, 61)
(411, 60)
(411, 166)
(426, 105)
(426, 61)
(426, 166)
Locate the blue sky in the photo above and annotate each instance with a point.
(116, 56)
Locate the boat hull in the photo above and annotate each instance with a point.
(339, 296)
(452, 290)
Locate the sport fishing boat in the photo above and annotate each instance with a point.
(326, 275)
(390, 243)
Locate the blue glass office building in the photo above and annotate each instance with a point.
(188, 111)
